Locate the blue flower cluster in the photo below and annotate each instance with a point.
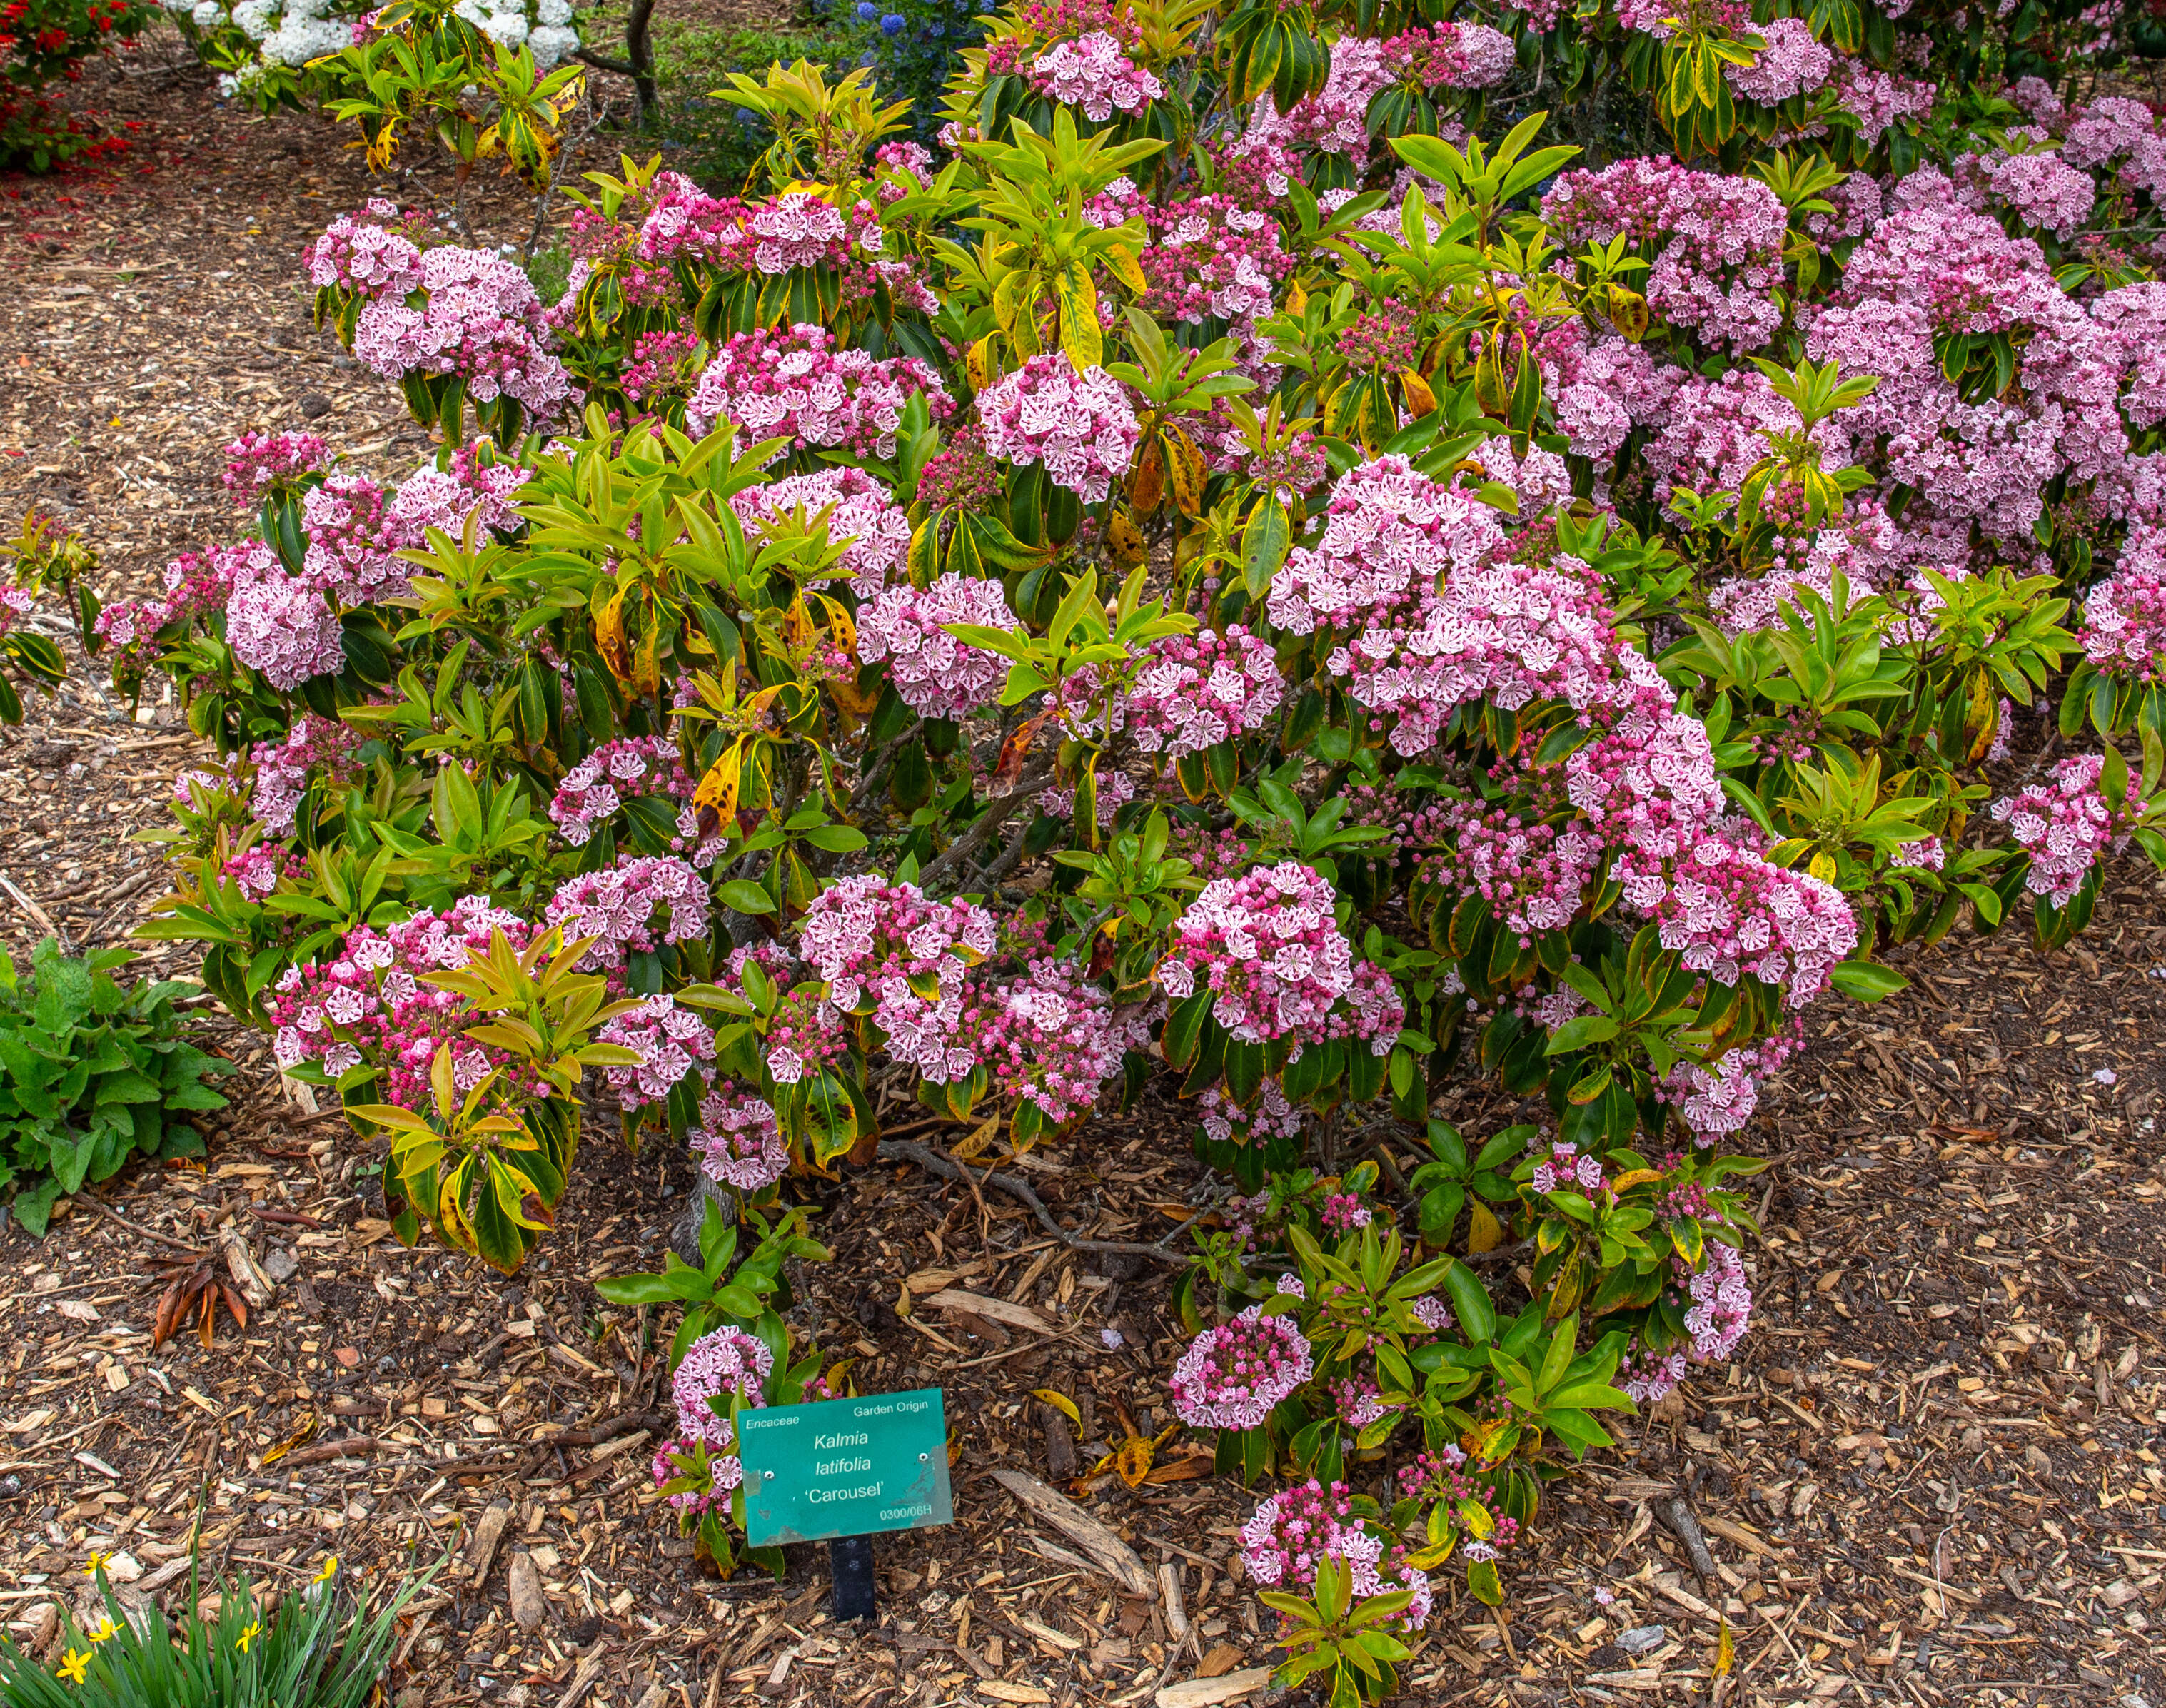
(910, 46)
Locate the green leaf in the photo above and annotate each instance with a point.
(746, 897)
(1868, 981)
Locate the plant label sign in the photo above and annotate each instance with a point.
(845, 1467)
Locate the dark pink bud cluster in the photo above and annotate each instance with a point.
(314, 744)
(795, 385)
(256, 462)
(371, 1004)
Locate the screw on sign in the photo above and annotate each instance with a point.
(843, 1470)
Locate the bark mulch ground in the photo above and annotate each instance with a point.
(1932, 1476)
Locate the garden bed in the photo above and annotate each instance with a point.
(1931, 1471)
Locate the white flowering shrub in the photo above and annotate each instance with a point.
(271, 53)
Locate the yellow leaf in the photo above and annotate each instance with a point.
(609, 638)
(977, 1141)
(1185, 463)
(1420, 399)
(1726, 1651)
(1059, 1402)
(301, 1430)
(1477, 1441)
(1484, 1232)
(1822, 865)
(1125, 267)
(837, 1377)
(1081, 337)
(1133, 1460)
(1125, 539)
(1628, 311)
(1296, 299)
(718, 788)
(980, 362)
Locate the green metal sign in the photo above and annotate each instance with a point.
(845, 1467)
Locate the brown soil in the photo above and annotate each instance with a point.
(1932, 1476)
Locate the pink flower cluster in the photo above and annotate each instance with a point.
(370, 1004)
(1082, 427)
(1207, 256)
(2065, 825)
(1715, 242)
(278, 624)
(361, 253)
(2124, 620)
(872, 941)
(1233, 1375)
(1730, 913)
(1792, 63)
(671, 1042)
(616, 771)
(1268, 946)
(1294, 1532)
(1722, 1303)
(255, 462)
(737, 1139)
(1566, 1168)
(283, 769)
(723, 1364)
(1094, 74)
(1388, 530)
(352, 540)
(937, 675)
(1049, 1036)
(1270, 1116)
(1646, 1377)
(617, 908)
(858, 508)
(796, 386)
(1194, 691)
(1510, 633)
(481, 322)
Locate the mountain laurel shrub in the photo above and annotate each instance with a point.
(1296, 555)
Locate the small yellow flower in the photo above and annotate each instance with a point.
(94, 1565)
(75, 1666)
(106, 1629)
(331, 1568)
(255, 1630)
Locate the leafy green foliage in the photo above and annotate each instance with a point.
(91, 1073)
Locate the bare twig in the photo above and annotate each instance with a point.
(86, 1201)
(1678, 1516)
(936, 1162)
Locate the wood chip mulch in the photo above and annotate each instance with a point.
(1932, 1476)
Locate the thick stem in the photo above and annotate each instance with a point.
(982, 826)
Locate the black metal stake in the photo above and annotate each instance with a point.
(850, 1558)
